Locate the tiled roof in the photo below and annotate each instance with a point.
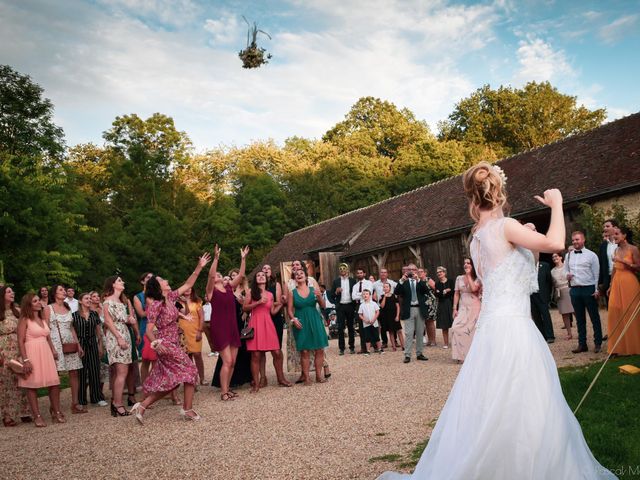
(592, 164)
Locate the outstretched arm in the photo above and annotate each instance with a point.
(211, 280)
(243, 267)
(202, 262)
(553, 241)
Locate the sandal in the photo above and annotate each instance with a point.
(233, 393)
(225, 397)
(129, 396)
(57, 417)
(78, 409)
(195, 417)
(136, 411)
(39, 421)
(285, 383)
(9, 422)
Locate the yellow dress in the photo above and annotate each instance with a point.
(190, 328)
(624, 299)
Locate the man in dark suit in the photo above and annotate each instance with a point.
(413, 310)
(540, 302)
(340, 295)
(605, 255)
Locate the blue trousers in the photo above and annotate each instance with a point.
(582, 299)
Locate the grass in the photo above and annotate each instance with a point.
(608, 417)
(64, 383)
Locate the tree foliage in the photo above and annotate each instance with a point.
(144, 201)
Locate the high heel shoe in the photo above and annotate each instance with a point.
(57, 417)
(195, 416)
(136, 411)
(78, 409)
(115, 411)
(129, 402)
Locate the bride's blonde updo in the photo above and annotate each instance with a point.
(484, 185)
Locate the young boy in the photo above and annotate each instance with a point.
(369, 311)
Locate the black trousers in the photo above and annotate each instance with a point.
(582, 299)
(90, 372)
(345, 314)
(542, 316)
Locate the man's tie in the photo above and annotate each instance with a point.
(414, 295)
(360, 287)
(577, 251)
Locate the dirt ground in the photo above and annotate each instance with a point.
(371, 407)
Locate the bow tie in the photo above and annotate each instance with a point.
(577, 251)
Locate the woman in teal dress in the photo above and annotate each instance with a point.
(308, 327)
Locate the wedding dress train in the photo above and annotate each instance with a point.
(506, 416)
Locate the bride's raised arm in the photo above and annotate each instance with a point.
(553, 241)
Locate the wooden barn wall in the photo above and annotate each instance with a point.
(448, 252)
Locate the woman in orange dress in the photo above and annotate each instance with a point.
(624, 296)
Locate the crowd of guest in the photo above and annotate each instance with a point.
(154, 342)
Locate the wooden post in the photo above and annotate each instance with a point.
(380, 260)
(417, 254)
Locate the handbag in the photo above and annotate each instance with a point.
(66, 347)
(247, 332)
(16, 367)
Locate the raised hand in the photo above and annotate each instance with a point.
(216, 252)
(244, 252)
(204, 259)
(552, 198)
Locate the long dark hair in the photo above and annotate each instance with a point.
(474, 275)
(52, 295)
(26, 310)
(256, 293)
(108, 290)
(271, 279)
(153, 290)
(14, 306)
(627, 232)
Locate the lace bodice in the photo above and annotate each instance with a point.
(507, 272)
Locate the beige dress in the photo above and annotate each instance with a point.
(60, 326)
(561, 286)
(118, 312)
(13, 400)
(464, 325)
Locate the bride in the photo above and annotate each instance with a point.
(506, 416)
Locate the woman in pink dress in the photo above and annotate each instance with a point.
(224, 326)
(265, 338)
(173, 366)
(466, 309)
(39, 359)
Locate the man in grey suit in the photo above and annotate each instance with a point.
(413, 311)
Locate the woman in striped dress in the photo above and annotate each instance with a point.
(86, 323)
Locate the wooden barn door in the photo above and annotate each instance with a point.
(329, 262)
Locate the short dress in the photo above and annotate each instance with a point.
(13, 400)
(45, 372)
(62, 325)
(172, 367)
(561, 284)
(190, 328)
(265, 337)
(388, 315)
(312, 335)
(224, 326)
(115, 354)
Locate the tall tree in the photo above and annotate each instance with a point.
(511, 120)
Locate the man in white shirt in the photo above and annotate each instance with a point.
(583, 269)
(71, 301)
(362, 284)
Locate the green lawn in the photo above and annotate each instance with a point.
(609, 417)
(64, 383)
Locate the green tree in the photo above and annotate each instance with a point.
(512, 120)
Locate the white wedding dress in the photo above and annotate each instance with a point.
(506, 417)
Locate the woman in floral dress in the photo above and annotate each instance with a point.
(13, 400)
(173, 366)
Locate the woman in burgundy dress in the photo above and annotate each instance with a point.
(173, 366)
(224, 328)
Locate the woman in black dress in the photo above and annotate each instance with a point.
(390, 316)
(444, 291)
(242, 370)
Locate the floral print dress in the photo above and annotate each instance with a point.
(13, 400)
(173, 366)
(119, 315)
(60, 326)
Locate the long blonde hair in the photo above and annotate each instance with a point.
(485, 189)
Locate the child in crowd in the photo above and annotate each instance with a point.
(369, 311)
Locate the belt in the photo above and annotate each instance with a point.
(583, 286)
(415, 306)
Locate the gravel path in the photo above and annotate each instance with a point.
(372, 406)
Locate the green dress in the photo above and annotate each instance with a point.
(312, 335)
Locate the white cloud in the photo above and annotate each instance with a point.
(225, 29)
(166, 12)
(540, 62)
(617, 29)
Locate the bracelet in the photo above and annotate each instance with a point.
(25, 360)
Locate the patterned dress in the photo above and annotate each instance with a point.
(61, 325)
(13, 400)
(173, 367)
(464, 325)
(118, 312)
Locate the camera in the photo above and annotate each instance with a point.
(410, 275)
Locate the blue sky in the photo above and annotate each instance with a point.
(102, 58)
